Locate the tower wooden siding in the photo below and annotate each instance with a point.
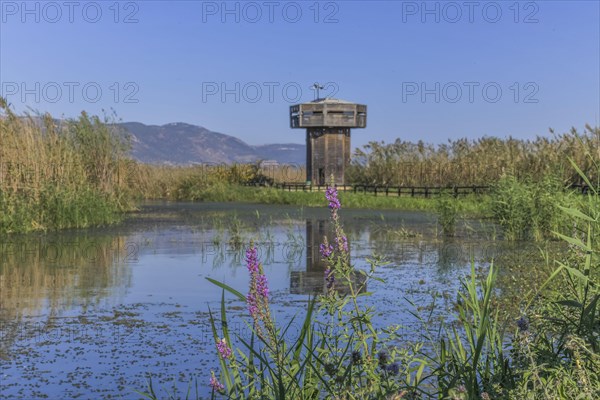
(327, 123)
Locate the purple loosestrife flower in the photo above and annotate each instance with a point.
(342, 242)
(258, 295)
(215, 384)
(332, 196)
(326, 250)
(259, 289)
(224, 349)
(252, 259)
(252, 307)
(262, 287)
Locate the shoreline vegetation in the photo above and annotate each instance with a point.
(57, 174)
(549, 351)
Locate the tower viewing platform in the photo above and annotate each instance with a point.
(328, 113)
(327, 122)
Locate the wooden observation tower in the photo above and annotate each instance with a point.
(327, 122)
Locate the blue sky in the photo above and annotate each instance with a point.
(427, 70)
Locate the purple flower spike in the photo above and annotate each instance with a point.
(331, 195)
(261, 286)
(224, 349)
(252, 259)
(252, 306)
(326, 250)
(258, 292)
(215, 384)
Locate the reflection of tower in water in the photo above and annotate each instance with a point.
(312, 280)
(316, 230)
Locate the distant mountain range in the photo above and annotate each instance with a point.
(184, 144)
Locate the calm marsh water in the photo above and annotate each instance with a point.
(96, 313)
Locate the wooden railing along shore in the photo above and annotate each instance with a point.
(398, 191)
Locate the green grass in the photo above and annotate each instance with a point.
(467, 205)
(57, 208)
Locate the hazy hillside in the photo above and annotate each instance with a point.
(180, 143)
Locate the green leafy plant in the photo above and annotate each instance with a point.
(557, 350)
(447, 212)
(470, 359)
(526, 209)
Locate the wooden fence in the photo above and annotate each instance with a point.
(401, 191)
(395, 191)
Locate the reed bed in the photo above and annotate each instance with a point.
(195, 182)
(60, 174)
(477, 162)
